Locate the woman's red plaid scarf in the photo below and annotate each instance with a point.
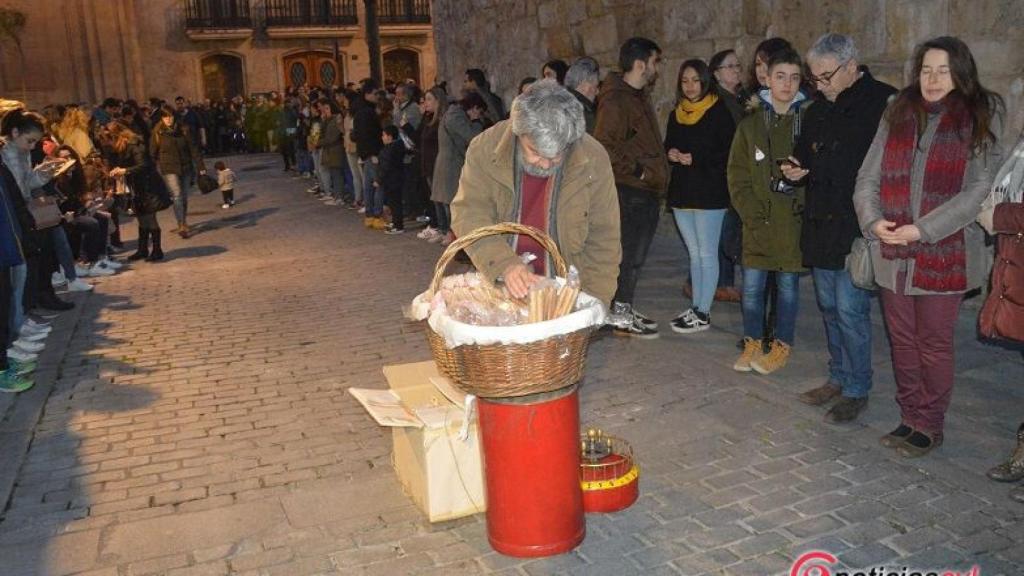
(942, 266)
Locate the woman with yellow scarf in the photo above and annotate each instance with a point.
(697, 140)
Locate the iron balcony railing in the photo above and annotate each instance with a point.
(311, 12)
(217, 14)
(403, 11)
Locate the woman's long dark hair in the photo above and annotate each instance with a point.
(703, 74)
(980, 104)
(765, 50)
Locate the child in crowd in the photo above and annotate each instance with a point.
(391, 178)
(226, 181)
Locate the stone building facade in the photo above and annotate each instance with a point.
(512, 39)
(85, 50)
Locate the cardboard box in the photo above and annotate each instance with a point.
(439, 471)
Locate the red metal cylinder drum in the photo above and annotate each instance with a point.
(531, 462)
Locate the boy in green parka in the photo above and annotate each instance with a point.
(770, 208)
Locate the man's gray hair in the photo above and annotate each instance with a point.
(837, 46)
(549, 115)
(586, 69)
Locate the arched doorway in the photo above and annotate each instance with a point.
(222, 76)
(401, 63)
(314, 68)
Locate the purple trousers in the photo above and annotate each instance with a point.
(921, 331)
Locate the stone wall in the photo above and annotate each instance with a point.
(513, 38)
(85, 50)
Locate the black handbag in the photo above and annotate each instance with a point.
(207, 183)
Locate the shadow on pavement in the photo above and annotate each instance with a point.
(193, 252)
(237, 220)
(47, 485)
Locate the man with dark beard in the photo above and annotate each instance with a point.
(540, 168)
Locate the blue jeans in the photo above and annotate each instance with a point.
(63, 250)
(728, 249)
(754, 281)
(701, 230)
(356, 172)
(846, 311)
(372, 196)
(19, 275)
(177, 187)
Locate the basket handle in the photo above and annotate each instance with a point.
(493, 230)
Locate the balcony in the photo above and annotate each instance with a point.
(403, 12)
(310, 18)
(217, 19)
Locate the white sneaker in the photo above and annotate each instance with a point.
(38, 325)
(27, 328)
(225, 206)
(312, 190)
(361, 210)
(112, 264)
(422, 219)
(58, 278)
(28, 336)
(437, 238)
(26, 346)
(21, 355)
(98, 269)
(426, 233)
(79, 285)
(81, 271)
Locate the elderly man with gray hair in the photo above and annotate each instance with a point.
(583, 80)
(540, 168)
(837, 132)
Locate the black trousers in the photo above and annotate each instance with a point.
(639, 211)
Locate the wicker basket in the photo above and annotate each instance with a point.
(507, 370)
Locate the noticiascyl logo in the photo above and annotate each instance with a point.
(820, 563)
(813, 563)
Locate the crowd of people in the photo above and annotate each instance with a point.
(68, 176)
(809, 167)
(806, 166)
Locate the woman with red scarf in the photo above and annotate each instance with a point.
(918, 192)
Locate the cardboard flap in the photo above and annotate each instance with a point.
(385, 407)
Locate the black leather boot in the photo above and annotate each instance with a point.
(156, 254)
(143, 249)
(1013, 469)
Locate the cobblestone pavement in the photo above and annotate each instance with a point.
(190, 418)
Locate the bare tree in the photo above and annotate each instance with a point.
(373, 40)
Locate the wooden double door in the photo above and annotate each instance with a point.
(312, 69)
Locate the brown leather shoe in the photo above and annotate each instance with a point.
(846, 410)
(1017, 494)
(1013, 469)
(896, 438)
(727, 294)
(918, 444)
(821, 395)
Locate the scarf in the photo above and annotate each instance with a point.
(942, 266)
(689, 113)
(554, 185)
(1009, 183)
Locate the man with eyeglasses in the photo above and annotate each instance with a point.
(628, 128)
(838, 130)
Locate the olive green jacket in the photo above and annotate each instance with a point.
(771, 220)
